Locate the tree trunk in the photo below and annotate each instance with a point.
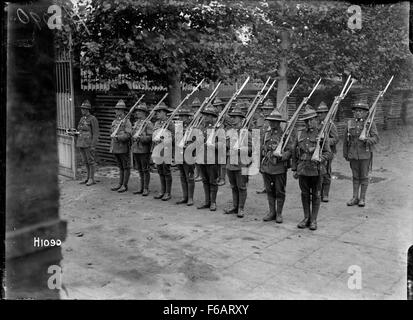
(174, 89)
(282, 85)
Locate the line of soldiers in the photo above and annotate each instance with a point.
(314, 177)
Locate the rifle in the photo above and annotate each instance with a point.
(148, 119)
(115, 132)
(288, 94)
(328, 121)
(291, 124)
(246, 122)
(198, 116)
(372, 112)
(257, 96)
(224, 111)
(160, 131)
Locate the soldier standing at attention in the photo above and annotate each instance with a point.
(209, 171)
(219, 104)
(87, 140)
(164, 168)
(307, 171)
(141, 148)
(359, 152)
(260, 123)
(119, 146)
(186, 170)
(237, 180)
(333, 139)
(273, 168)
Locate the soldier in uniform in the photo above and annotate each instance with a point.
(120, 146)
(87, 140)
(333, 138)
(273, 168)
(260, 123)
(237, 180)
(164, 169)
(186, 170)
(141, 148)
(209, 171)
(359, 152)
(307, 171)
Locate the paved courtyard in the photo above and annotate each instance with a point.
(125, 246)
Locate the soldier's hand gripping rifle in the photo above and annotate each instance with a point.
(289, 128)
(224, 111)
(372, 112)
(160, 131)
(115, 132)
(148, 119)
(247, 120)
(72, 132)
(197, 116)
(327, 124)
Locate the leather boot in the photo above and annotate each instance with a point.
(278, 213)
(126, 176)
(184, 186)
(241, 203)
(91, 180)
(213, 192)
(191, 189)
(235, 201)
(363, 190)
(271, 204)
(163, 187)
(88, 175)
(146, 179)
(305, 200)
(141, 183)
(355, 200)
(314, 213)
(168, 184)
(121, 174)
(207, 193)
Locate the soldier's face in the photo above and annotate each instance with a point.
(119, 112)
(360, 113)
(161, 115)
(275, 125)
(237, 120)
(322, 116)
(84, 111)
(140, 115)
(311, 123)
(266, 112)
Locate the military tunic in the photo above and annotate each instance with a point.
(163, 168)
(88, 128)
(120, 145)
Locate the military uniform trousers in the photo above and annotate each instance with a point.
(310, 195)
(360, 169)
(142, 162)
(275, 185)
(187, 175)
(210, 174)
(238, 184)
(88, 156)
(165, 176)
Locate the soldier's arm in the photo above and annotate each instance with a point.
(345, 144)
(147, 137)
(288, 151)
(373, 136)
(333, 137)
(326, 153)
(294, 154)
(127, 132)
(95, 131)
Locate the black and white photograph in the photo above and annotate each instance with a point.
(207, 150)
